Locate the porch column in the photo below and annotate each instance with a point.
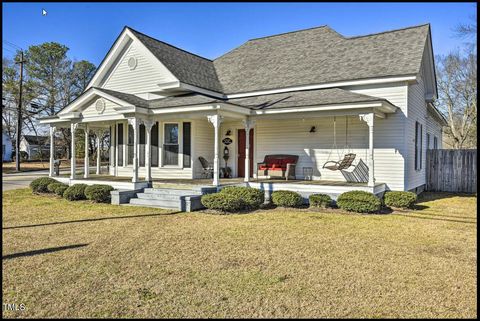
(369, 119)
(52, 150)
(248, 124)
(98, 133)
(148, 167)
(135, 122)
(73, 163)
(87, 159)
(216, 120)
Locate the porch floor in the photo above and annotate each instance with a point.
(223, 181)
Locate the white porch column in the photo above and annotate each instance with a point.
(52, 150)
(216, 120)
(135, 122)
(111, 160)
(369, 119)
(248, 124)
(87, 159)
(99, 134)
(148, 167)
(73, 163)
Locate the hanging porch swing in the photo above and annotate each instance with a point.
(347, 159)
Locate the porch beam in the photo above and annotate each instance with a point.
(52, 150)
(87, 159)
(148, 167)
(73, 163)
(216, 120)
(248, 124)
(369, 119)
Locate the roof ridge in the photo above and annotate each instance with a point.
(388, 31)
(166, 43)
(284, 33)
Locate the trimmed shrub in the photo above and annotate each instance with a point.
(98, 193)
(400, 199)
(40, 185)
(252, 197)
(52, 186)
(75, 192)
(320, 200)
(359, 201)
(61, 189)
(223, 202)
(287, 199)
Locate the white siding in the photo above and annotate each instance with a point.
(434, 128)
(144, 78)
(202, 144)
(91, 111)
(390, 150)
(158, 172)
(417, 111)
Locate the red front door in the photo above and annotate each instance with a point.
(241, 153)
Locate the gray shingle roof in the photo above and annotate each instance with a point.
(303, 99)
(273, 101)
(129, 98)
(36, 140)
(187, 67)
(319, 55)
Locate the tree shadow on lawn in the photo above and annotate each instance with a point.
(90, 220)
(433, 196)
(42, 251)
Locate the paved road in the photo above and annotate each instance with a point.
(22, 180)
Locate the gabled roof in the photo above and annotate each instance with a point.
(128, 98)
(320, 55)
(187, 67)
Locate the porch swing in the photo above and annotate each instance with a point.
(347, 159)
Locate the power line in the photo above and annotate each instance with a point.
(12, 44)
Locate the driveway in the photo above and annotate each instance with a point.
(21, 180)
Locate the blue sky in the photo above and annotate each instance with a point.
(211, 29)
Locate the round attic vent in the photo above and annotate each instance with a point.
(132, 63)
(100, 105)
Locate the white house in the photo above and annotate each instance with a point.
(313, 93)
(7, 147)
(35, 146)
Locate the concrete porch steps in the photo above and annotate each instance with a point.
(168, 198)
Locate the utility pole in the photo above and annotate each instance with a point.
(19, 115)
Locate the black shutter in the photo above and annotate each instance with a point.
(187, 142)
(120, 144)
(154, 152)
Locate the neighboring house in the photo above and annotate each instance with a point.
(282, 94)
(35, 146)
(7, 148)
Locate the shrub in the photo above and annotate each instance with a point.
(40, 185)
(252, 197)
(61, 189)
(98, 193)
(400, 199)
(287, 199)
(223, 202)
(320, 200)
(75, 192)
(52, 186)
(359, 201)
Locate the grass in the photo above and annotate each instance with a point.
(77, 259)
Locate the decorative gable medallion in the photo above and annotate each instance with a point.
(132, 63)
(100, 105)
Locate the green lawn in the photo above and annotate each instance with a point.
(77, 259)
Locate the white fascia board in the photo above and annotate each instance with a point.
(70, 115)
(50, 120)
(89, 95)
(102, 118)
(326, 85)
(201, 90)
(316, 108)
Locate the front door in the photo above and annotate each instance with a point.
(241, 153)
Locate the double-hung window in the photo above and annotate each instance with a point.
(418, 145)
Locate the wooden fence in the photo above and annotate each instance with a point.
(452, 170)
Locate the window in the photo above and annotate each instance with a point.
(130, 145)
(170, 145)
(141, 147)
(418, 145)
(120, 144)
(435, 142)
(428, 141)
(154, 150)
(187, 145)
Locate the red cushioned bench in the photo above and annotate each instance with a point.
(278, 166)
